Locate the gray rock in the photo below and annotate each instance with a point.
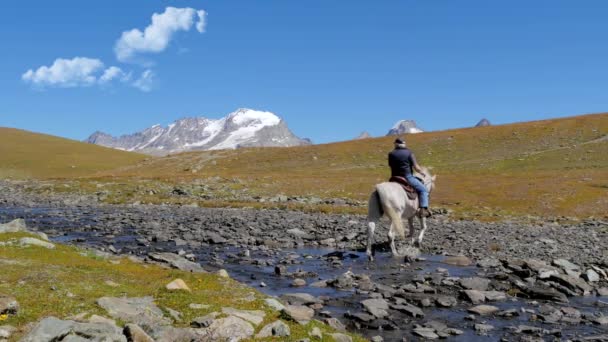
(276, 328)
(177, 261)
(335, 323)
(28, 241)
(300, 299)
(483, 310)
(253, 316)
(8, 305)
(409, 309)
(566, 265)
(204, 321)
(54, 329)
(230, 328)
(426, 333)
(601, 320)
(136, 334)
(474, 296)
(572, 283)
(459, 260)
(141, 311)
(15, 226)
(299, 313)
(591, 276)
(274, 304)
(475, 283)
(377, 307)
(446, 301)
(483, 329)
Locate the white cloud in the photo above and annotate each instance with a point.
(157, 36)
(202, 21)
(78, 71)
(112, 73)
(145, 82)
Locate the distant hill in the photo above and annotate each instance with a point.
(363, 135)
(483, 122)
(242, 128)
(25, 154)
(551, 167)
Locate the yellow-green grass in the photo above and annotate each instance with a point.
(25, 154)
(67, 281)
(554, 167)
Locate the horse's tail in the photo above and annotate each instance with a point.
(384, 194)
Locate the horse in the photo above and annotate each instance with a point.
(390, 198)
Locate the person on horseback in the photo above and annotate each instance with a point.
(403, 162)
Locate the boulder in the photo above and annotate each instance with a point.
(566, 265)
(6, 331)
(139, 310)
(459, 260)
(15, 226)
(341, 337)
(253, 316)
(274, 304)
(300, 298)
(377, 307)
(204, 321)
(177, 285)
(299, 313)
(136, 334)
(277, 328)
(54, 329)
(483, 310)
(230, 328)
(28, 241)
(475, 283)
(177, 261)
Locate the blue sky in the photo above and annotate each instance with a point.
(331, 69)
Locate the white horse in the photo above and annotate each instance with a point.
(389, 198)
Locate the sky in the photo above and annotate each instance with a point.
(330, 69)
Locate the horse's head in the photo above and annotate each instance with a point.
(427, 179)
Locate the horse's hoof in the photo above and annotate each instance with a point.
(370, 258)
(417, 244)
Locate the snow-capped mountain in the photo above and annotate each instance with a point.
(403, 127)
(242, 128)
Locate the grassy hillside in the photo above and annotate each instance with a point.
(547, 168)
(31, 155)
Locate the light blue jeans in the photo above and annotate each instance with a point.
(423, 193)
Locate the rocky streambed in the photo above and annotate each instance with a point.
(471, 281)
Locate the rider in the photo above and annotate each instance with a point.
(402, 161)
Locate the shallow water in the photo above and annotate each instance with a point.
(64, 226)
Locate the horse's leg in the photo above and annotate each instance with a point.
(422, 230)
(374, 213)
(410, 222)
(371, 227)
(391, 237)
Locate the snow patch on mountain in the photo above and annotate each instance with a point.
(404, 127)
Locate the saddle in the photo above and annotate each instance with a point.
(409, 190)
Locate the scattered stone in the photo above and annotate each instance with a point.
(141, 311)
(475, 283)
(335, 323)
(136, 334)
(15, 226)
(274, 304)
(253, 316)
(427, 333)
(277, 328)
(111, 283)
(178, 284)
(300, 298)
(177, 261)
(591, 276)
(230, 328)
(28, 241)
(409, 309)
(459, 260)
(198, 306)
(315, 333)
(377, 307)
(483, 329)
(6, 331)
(601, 320)
(223, 273)
(566, 265)
(204, 321)
(483, 310)
(446, 301)
(299, 313)
(54, 329)
(298, 282)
